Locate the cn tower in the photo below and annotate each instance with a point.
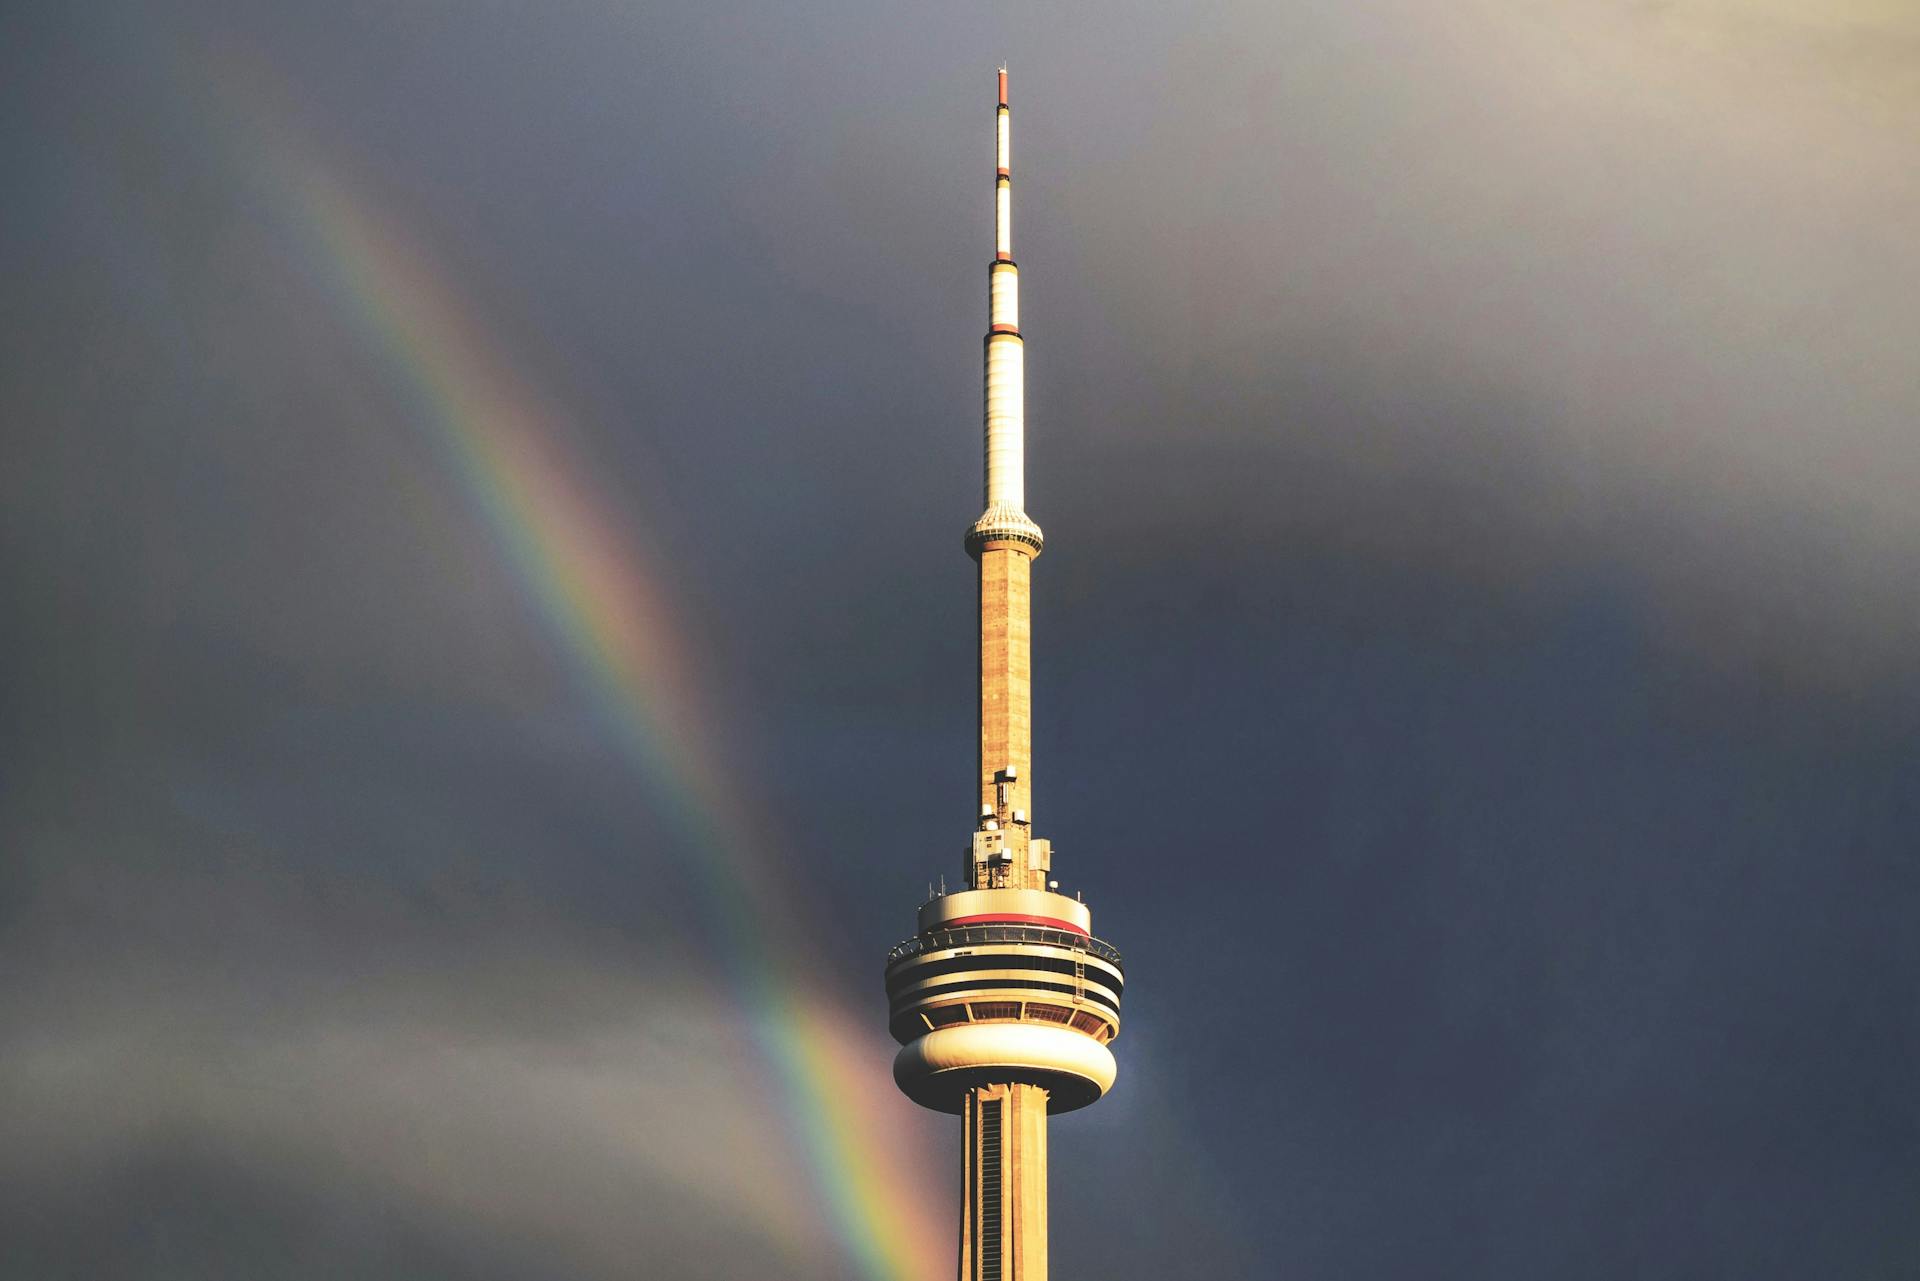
(1004, 1002)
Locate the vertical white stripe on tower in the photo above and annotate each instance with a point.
(1006, 389)
(1003, 296)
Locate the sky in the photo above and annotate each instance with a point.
(487, 661)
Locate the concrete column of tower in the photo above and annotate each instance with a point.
(1006, 688)
(1005, 541)
(1003, 1220)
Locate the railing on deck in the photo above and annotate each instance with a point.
(971, 935)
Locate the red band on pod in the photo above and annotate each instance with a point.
(1014, 918)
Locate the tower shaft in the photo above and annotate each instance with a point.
(1006, 692)
(1003, 1220)
(1004, 1002)
(1004, 541)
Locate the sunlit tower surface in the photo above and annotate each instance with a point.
(1004, 1002)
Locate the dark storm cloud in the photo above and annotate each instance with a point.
(1474, 644)
(1580, 293)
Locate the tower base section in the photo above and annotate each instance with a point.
(1003, 1222)
(941, 1069)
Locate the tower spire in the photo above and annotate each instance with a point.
(1006, 487)
(1005, 540)
(1004, 1002)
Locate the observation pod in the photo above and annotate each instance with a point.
(1008, 986)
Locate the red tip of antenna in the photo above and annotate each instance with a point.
(1003, 88)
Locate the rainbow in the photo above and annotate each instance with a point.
(610, 616)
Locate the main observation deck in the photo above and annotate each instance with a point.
(995, 998)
